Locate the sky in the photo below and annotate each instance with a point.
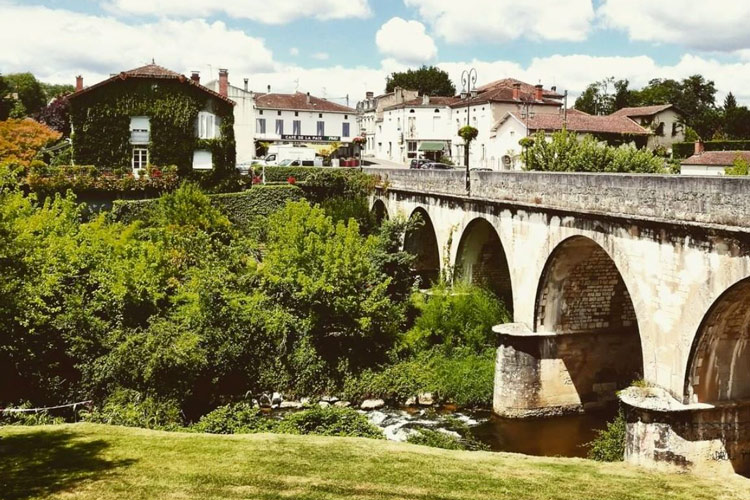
(339, 48)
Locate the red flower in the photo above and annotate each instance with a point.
(291, 180)
(257, 180)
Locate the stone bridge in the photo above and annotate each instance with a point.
(612, 280)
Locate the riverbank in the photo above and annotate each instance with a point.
(86, 461)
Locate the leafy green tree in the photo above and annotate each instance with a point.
(31, 96)
(5, 102)
(428, 80)
(739, 167)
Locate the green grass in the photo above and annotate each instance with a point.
(87, 461)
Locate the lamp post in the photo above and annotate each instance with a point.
(468, 82)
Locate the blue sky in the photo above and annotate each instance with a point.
(338, 47)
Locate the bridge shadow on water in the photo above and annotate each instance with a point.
(46, 462)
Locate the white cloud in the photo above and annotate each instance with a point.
(405, 41)
(294, 51)
(321, 56)
(503, 20)
(264, 11)
(95, 46)
(715, 25)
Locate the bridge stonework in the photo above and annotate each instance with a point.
(612, 279)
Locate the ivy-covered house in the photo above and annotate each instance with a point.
(152, 116)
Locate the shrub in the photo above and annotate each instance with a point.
(436, 439)
(132, 409)
(609, 444)
(463, 377)
(330, 422)
(239, 418)
(21, 140)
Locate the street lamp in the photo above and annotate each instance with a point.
(468, 91)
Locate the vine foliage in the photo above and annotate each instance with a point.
(101, 125)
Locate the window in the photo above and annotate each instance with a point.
(260, 125)
(320, 115)
(202, 160)
(675, 129)
(260, 112)
(411, 148)
(346, 117)
(140, 127)
(207, 124)
(297, 127)
(140, 159)
(296, 113)
(660, 129)
(278, 113)
(345, 130)
(279, 127)
(435, 123)
(321, 130)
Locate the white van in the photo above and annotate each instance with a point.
(289, 155)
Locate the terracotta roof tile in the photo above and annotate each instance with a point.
(717, 158)
(299, 102)
(642, 110)
(419, 103)
(502, 91)
(584, 123)
(151, 71)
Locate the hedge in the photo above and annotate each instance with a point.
(241, 208)
(300, 174)
(682, 150)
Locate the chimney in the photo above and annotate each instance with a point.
(516, 91)
(369, 95)
(196, 76)
(699, 147)
(79, 83)
(538, 92)
(398, 93)
(269, 89)
(308, 98)
(246, 82)
(425, 100)
(554, 88)
(224, 82)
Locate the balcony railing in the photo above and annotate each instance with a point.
(139, 137)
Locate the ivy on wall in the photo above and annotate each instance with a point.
(101, 125)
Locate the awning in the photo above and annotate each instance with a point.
(431, 146)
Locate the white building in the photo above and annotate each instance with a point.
(304, 119)
(711, 162)
(370, 116)
(665, 121)
(244, 113)
(417, 128)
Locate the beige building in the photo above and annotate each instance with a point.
(371, 112)
(664, 120)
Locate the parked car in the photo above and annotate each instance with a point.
(437, 166)
(481, 169)
(418, 163)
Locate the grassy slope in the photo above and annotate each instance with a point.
(86, 461)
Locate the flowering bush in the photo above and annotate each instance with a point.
(257, 179)
(359, 141)
(89, 178)
(291, 180)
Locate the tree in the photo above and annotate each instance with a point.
(21, 140)
(31, 97)
(53, 90)
(56, 116)
(597, 99)
(430, 81)
(5, 102)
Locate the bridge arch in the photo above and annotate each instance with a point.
(379, 212)
(583, 301)
(719, 363)
(481, 259)
(421, 241)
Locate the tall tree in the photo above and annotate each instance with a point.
(31, 97)
(5, 102)
(428, 80)
(730, 102)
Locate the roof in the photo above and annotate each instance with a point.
(299, 102)
(502, 91)
(419, 103)
(151, 71)
(717, 158)
(642, 110)
(583, 123)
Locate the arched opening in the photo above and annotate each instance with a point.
(583, 300)
(421, 241)
(481, 260)
(379, 212)
(719, 369)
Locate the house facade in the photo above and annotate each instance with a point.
(152, 116)
(665, 121)
(244, 113)
(614, 130)
(371, 114)
(304, 119)
(711, 162)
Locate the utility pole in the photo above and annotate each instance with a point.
(468, 80)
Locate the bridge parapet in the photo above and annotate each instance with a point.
(708, 200)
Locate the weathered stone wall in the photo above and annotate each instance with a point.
(542, 375)
(717, 200)
(714, 439)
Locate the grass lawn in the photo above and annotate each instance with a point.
(86, 461)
